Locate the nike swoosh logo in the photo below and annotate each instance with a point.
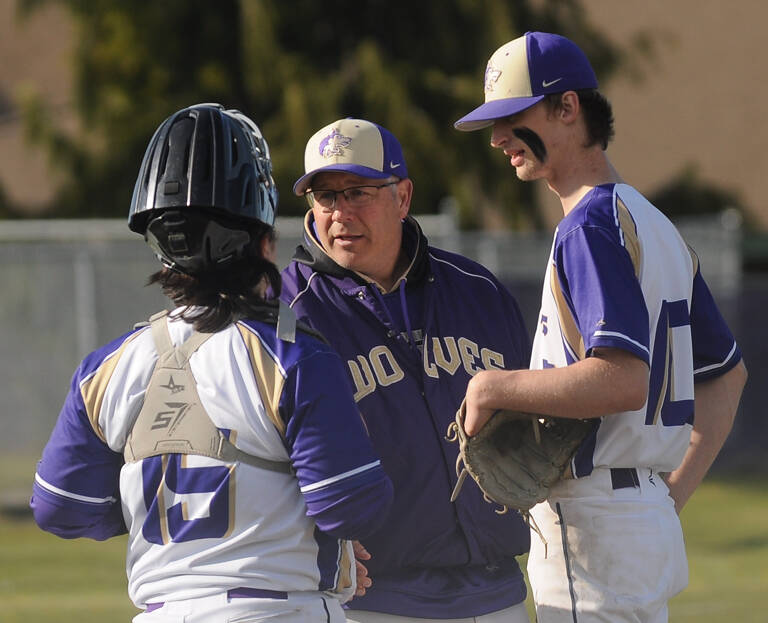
(392, 165)
(546, 84)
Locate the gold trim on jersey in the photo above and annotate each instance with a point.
(345, 567)
(161, 508)
(629, 231)
(694, 259)
(568, 327)
(269, 381)
(93, 389)
(667, 372)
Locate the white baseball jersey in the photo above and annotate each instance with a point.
(621, 276)
(199, 526)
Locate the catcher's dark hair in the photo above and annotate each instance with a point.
(598, 115)
(217, 298)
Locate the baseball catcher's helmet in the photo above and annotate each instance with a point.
(204, 188)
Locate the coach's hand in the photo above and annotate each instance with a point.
(363, 581)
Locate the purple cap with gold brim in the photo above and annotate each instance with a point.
(352, 146)
(522, 72)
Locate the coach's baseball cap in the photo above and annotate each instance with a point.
(352, 146)
(520, 73)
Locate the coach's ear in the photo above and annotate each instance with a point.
(404, 194)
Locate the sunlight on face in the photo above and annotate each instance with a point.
(364, 239)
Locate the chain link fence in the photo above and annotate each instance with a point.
(69, 286)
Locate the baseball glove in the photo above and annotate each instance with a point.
(516, 457)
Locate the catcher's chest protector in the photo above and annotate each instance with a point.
(172, 419)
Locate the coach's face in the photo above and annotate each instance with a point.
(361, 229)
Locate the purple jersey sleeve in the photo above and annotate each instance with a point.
(714, 348)
(599, 284)
(76, 489)
(343, 483)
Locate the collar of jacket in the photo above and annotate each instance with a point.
(312, 254)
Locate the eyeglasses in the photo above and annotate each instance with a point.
(356, 196)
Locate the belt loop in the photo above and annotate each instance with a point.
(624, 478)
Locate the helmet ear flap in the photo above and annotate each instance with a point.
(224, 245)
(193, 242)
(175, 239)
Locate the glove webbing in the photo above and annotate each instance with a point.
(452, 435)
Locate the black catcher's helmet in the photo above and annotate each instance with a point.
(205, 190)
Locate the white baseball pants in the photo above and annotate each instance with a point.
(614, 550)
(299, 607)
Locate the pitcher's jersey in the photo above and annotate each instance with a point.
(197, 525)
(621, 276)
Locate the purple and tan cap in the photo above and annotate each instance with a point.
(352, 146)
(522, 72)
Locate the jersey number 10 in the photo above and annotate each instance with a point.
(670, 392)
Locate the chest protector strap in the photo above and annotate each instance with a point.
(172, 419)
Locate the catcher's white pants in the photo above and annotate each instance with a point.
(515, 614)
(300, 607)
(612, 555)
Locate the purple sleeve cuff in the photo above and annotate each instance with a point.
(354, 515)
(70, 519)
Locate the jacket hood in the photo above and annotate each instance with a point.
(311, 253)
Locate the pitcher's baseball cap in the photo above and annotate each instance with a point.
(520, 73)
(352, 146)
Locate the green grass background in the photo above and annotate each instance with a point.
(44, 578)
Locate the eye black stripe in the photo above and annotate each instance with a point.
(533, 140)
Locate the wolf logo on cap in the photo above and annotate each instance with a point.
(334, 144)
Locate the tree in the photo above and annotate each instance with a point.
(294, 66)
(686, 194)
(135, 64)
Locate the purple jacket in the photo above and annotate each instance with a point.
(410, 354)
